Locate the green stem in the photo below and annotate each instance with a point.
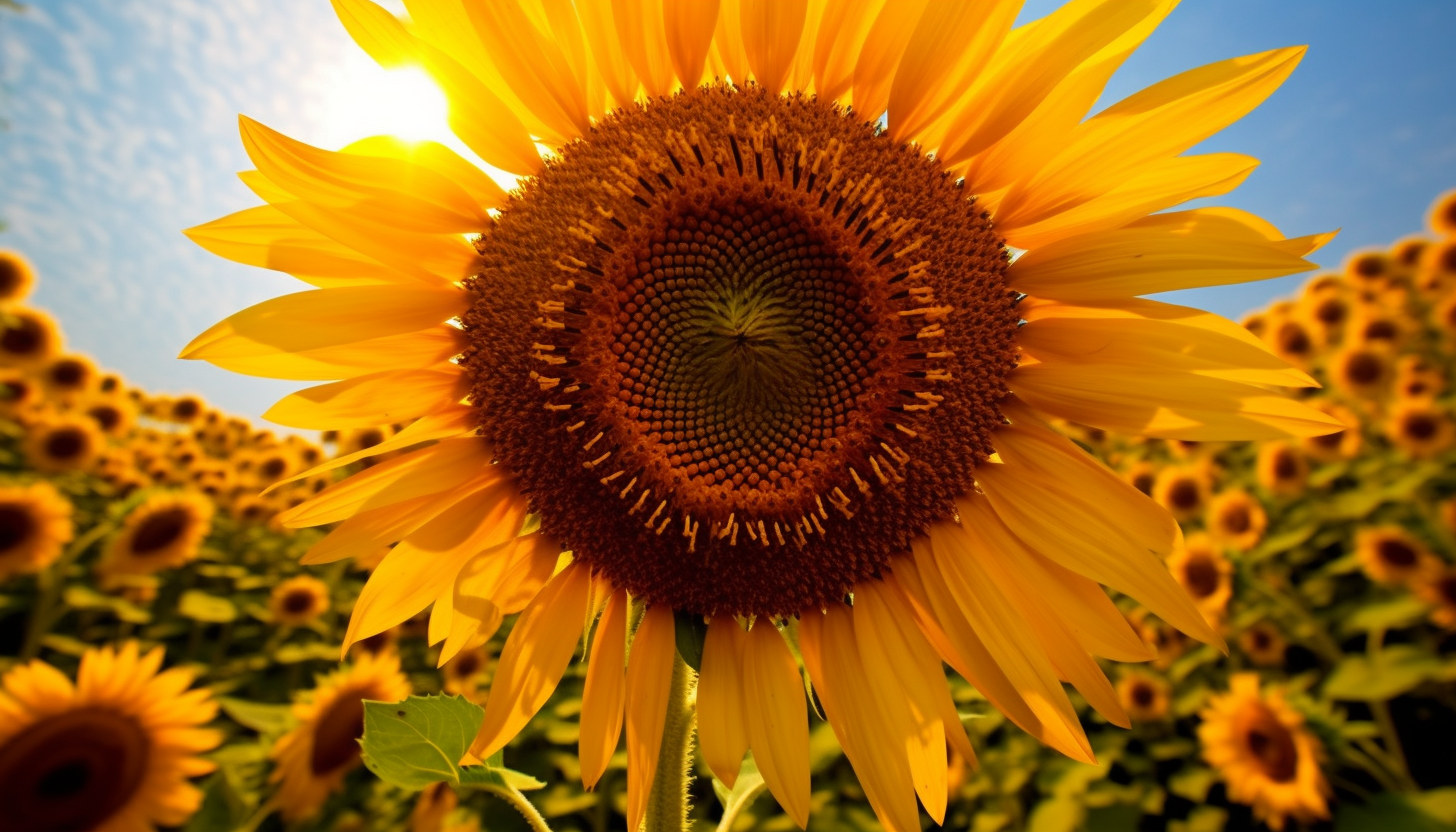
(667, 805)
(1372, 767)
(1327, 647)
(1394, 752)
(738, 804)
(48, 586)
(259, 816)
(518, 801)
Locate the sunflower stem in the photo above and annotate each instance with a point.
(667, 805)
(49, 583)
(520, 803)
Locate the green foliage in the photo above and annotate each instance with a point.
(423, 740)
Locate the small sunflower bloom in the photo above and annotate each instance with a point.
(1236, 519)
(1341, 444)
(1281, 469)
(1264, 644)
(313, 759)
(60, 442)
(1391, 555)
(1362, 371)
(1261, 748)
(28, 337)
(35, 525)
(1417, 377)
(1145, 697)
(748, 350)
(112, 752)
(1183, 490)
(68, 377)
(1142, 476)
(1438, 588)
(17, 277)
(298, 600)
(1367, 266)
(1441, 218)
(466, 672)
(163, 531)
(1420, 428)
(1203, 569)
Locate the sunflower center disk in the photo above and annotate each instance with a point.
(763, 347)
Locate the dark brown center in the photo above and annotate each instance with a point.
(1293, 340)
(1201, 575)
(1184, 495)
(9, 276)
(1420, 426)
(160, 530)
(16, 526)
(107, 416)
(1370, 265)
(298, 602)
(765, 346)
(1236, 519)
(336, 735)
(1143, 695)
(185, 409)
(68, 373)
(467, 664)
(71, 772)
(65, 444)
(1396, 552)
(1381, 330)
(1364, 368)
(1271, 745)
(1286, 467)
(1331, 311)
(23, 336)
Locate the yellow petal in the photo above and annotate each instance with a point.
(879, 58)
(1160, 253)
(410, 350)
(771, 33)
(778, 719)
(722, 729)
(728, 51)
(1086, 611)
(950, 46)
(901, 665)
(611, 62)
(1157, 123)
(1030, 67)
(326, 318)
(1009, 638)
(377, 32)
(495, 583)
(1070, 508)
(533, 65)
(443, 424)
(606, 691)
(270, 239)
(649, 683)
(838, 45)
(640, 28)
(689, 25)
(479, 117)
(869, 738)
(385, 190)
(370, 400)
(427, 471)
(1155, 186)
(438, 158)
(534, 658)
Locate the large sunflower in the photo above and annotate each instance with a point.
(749, 339)
(112, 752)
(313, 759)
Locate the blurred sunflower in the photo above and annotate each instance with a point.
(1362, 371)
(1183, 491)
(1263, 643)
(161, 532)
(1281, 469)
(747, 350)
(313, 758)
(18, 394)
(1145, 697)
(1442, 217)
(16, 276)
(28, 337)
(35, 525)
(1438, 588)
(1342, 444)
(1203, 570)
(57, 442)
(67, 377)
(1417, 377)
(1390, 555)
(1420, 428)
(432, 808)
(111, 753)
(1261, 748)
(465, 673)
(1236, 519)
(298, 600)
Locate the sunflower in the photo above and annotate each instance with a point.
(1367, 266)
(1236, 519)
(1292, 340)
(112, 752)
(1324, 313)
(1144, 696)
(1438, 588)
(1417, 377)
(1261, 748)
(466, 672)
(16, 276)
(1183, 491)
(35, 524)
(1391, 555)
(68, 376)
(1281, 469)
(1362, 371)
(112, 414)
(1342, 444)
(1203, 570)
(161, 532)
(1263, 644)
(1442, 216)
(432, 808)
(1142, 475)
(1420, 427)
(313, 758)
(298, 600)
(28, 337)
(747, 349)
(58, 442)
(185, 409)
(1407, 252)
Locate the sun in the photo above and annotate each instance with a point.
(363, 99)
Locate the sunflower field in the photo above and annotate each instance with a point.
(167, 655)
(790, 443)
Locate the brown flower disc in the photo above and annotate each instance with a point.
(740, 348)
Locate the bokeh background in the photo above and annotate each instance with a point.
(120, 122)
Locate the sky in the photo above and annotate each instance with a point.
(121, 130)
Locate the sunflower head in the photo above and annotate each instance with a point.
(1236, 519)
(67, 377)
(1142, 476)
(1292, 340)
(19, 393)
(466, 672)
(1264, 752)
(17, 278)
(1367, 267)
(113, 415)
(28, 337)
(113, 750)
(298, 600)
(1145, 697)
(1342, 444)
(59, 442)
(1438, 588)
(1420, 427)
(1182, 490)
(1362, 371)
(1263, 644)
(1418, 377)
(163, 531)
(1281, 468)
(35, 524)
(1203, 570)
(1391, 555)
(1442, 215)
(1407, 253)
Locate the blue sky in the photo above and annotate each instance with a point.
(123, 131)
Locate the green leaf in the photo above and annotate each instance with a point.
(1387, 614)
(746, 789)
(1439, 803)
(1394, 671)
(1116, 818)
(80, 597)
(265, 718)
(314, 651)
(1280, 543)
(209, 609)
(493, 777)
(1386, 812)
(1193, 783)
(419, 741)
(692, 631)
